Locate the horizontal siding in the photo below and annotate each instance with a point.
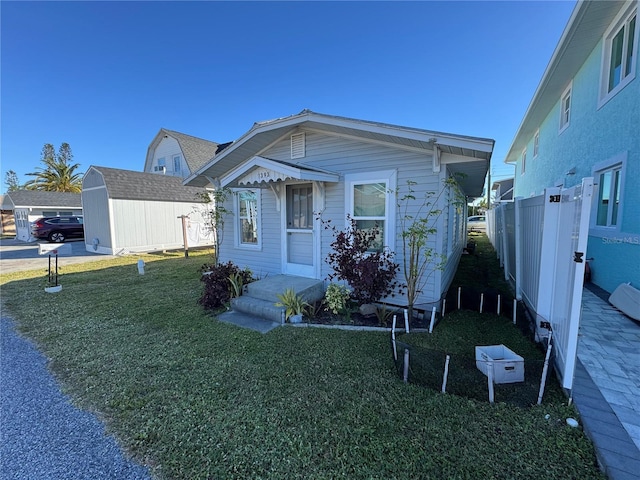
(268, 259)
(167, 148)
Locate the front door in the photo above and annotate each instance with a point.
(300, 244)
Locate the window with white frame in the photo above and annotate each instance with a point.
(536, 144)
(247, 208)
(565, 108)
(370, 203)
(161, 165)
(620, 51)
(177, 163)
(608, 201)
(523, 162)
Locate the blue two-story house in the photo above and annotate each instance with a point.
(584, 121)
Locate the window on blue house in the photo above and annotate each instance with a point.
(620, 52)
(608, 197)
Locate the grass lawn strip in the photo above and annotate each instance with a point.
(195, 398)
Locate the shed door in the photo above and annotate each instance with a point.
(300, 244)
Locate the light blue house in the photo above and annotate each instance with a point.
(584, 121)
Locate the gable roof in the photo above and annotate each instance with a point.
(586, 27)
(131, 185)
(196, 151)
(40, 198)
(468, 154)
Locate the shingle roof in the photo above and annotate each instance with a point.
(196, 151)
(39, 198)
(131, 185)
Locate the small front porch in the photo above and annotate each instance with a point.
(256, 308)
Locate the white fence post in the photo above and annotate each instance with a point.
(518, 246)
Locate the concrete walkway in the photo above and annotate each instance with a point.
(606, 388)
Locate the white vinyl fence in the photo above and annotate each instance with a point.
(541, 243)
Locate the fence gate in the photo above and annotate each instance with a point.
(571, 248)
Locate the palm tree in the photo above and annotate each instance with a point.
(58, 174)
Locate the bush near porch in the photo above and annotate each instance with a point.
(195, 398)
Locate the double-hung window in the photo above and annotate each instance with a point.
(619, 56)
(177, 164)
(565, 108)
(370, 203)
(608, 197)
(536, 144)
(523, 163)
(247, 208)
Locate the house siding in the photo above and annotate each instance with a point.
(167, 149)
(344, 155)
(96, 223)
(595, 135)
(149, 225)
(267, 260)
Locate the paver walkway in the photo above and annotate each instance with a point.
(606, 388)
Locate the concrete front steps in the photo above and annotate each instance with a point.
(259, 298)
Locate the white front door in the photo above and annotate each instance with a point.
(299, 249)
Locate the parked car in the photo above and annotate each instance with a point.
(58, 229)
(477, 223)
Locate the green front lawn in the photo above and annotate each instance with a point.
(196, 399)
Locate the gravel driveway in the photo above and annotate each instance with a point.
(43, 436)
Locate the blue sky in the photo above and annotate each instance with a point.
(106, 76)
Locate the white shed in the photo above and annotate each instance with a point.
(127, 212)
(26, 206)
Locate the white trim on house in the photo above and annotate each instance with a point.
(617, 162)
(565, 108)
(621, 22)
(257, 215)
(389, 178)
(263, 170)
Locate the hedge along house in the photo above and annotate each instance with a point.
(28, 205)
(285, 172)
(177, 154)
(128, 212)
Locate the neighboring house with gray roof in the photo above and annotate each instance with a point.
(177, 154)
(128, 211)
(29, 205)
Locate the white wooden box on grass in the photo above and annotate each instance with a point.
(508, 367)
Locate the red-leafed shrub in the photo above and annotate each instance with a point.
(221, 283)
(358, 258)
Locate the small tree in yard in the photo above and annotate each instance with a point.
(357, 258)
(419, 260)
(214, 213)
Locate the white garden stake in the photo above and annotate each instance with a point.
(459, 292)
(543, 380)
(515, 306)
(393, 328)
(405, 375)
(490, 380)
(444, 304)
(433, 319)
(446, 374)
(481, 301)
(498, 311)
(406, 320)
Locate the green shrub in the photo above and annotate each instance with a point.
(337, 298)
